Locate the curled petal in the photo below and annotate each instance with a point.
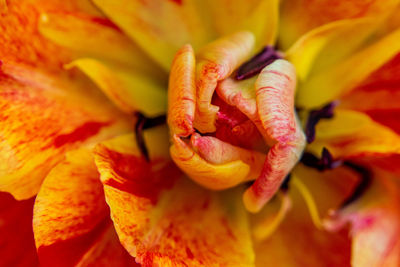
(217, 61)
(212, 176)
(275, 88)
(182, 93)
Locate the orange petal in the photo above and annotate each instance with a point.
(41, 119)
(21, 42)
(217, 60)
(182, 92)
(297, 236)
(295, 23)
(350, 134)
(275, 89)
(375, 224)
(159, 27)
(17, 244)
(174, 222)
(70, 222)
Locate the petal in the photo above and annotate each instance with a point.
(217, 61)
(70, 221)
(212, 176)
(326, 45)
(182, 92)
(174, 222)
(378, 95)
(17, 244)
(21, 42)
(297, 20)
(374, 223)
(177, 23)
(70, 30)
(297, 236)
(130, 91)
(351, 134)
(42, 118)
(344, 76)
(259, 17)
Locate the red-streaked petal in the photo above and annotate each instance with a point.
(375, 227)
(300, 16)
(71, 222)
(217, 60)
(275, 89)
(43, 117)
(165, 220)
(182, 92)
(16, 243)
(351, 134)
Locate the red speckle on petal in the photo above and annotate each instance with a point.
(81, 133)
(178, 2)
(140, 177)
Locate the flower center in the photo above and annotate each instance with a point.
(233, 122)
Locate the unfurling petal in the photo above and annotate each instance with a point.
(71, 222)
(182, 93)
(275, 89)
(217, 60)
(164, 220)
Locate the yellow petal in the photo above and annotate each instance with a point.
(71, 30)
(351, 133)
(296, 20)
(130, 91)
(159, 27)
(215, 177)
(337, 80)
(331, 41)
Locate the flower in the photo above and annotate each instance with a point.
(87, 153)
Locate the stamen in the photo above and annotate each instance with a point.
(325, 163)
(315, 116)
(363, 184)
(142, 124)
(310, 201)
(270, 224)
(256, 64)
(285, 184)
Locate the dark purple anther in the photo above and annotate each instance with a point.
(363, 184)
(144, 123)
(315, 116)
(325, 163)
(257, 63)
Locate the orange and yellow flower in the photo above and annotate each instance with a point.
(312, 119)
